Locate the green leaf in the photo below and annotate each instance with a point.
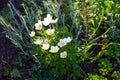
(6, 72)
(15, 73)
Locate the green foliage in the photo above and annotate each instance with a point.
(105, 67)
(58, 67)
(15, 73)
(95, 77)
(17, 28)
(116, 75)
(6, 15)
(6, 72)
(114, 35)
(43, 75)
(114, 51)
(18, 61)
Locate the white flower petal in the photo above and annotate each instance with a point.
(39, 21)
(38, 26)
(32, 34)
(63, 54)
(54, 49)
(38, 42)
(68, 39)
(50, 31)
(49, 17)
(45, 46)
(62, 42)
(46, 22)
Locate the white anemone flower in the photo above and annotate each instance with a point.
(47, 20)
(49, 17)
(62, 42)
(32, 34)
(45, 46)
(38, 26)
(54, 49)
(63, 54)
(50, 31)
(68, 39)
(38, 42)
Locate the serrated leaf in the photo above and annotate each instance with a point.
(6, 72)
(15, 73)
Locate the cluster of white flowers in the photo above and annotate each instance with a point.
(61, 43)
(44, 43)
(39, 25)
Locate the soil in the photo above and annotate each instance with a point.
(7, 50)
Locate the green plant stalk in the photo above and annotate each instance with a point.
(101, 18)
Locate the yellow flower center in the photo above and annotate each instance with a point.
(55, 50)
(50, 32)
(62, 42)
(64, 55)
(40, 26)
